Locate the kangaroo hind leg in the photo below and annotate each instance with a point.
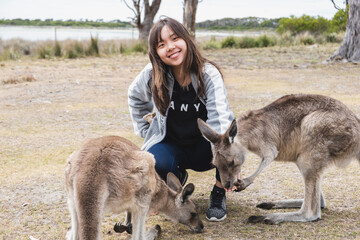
(73, 231)
(311, 206)
(290, 203)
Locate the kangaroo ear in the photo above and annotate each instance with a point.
(173, 182)
(188, 190)
(207, 132)
(232, 131)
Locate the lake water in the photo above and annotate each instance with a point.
(63, 33)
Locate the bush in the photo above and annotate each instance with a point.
(305, 39)
(228, 42)
(247, 42)
(339, 21)
(58, 52)
(124, 49)
(334, 38)
(305, 23)
(140, 47)
(72, 54)
(45, 52)
(265, 41)
(93, 49)
(212, 44)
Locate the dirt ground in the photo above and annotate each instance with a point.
(42, 121)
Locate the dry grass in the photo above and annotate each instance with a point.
(16, 80)
(42, 122)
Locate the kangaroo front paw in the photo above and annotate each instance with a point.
(240, 185)
(265, 205)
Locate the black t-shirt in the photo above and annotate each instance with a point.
(185, 108)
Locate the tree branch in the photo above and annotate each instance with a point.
(335, 6)
(132, 9)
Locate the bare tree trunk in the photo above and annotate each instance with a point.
(144, 26)
(350, 46)
(189, 15)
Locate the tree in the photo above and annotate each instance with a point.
(144, 26)
(189, 15)
(349, 49)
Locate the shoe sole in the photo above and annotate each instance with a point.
(214, 219)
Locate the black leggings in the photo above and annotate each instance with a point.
(170, 157)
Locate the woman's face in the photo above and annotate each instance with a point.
(171, 49)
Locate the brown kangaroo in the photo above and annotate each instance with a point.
(313, 131)
(112, 174)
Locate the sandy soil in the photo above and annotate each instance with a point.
(43, 121)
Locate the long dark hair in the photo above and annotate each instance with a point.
(194, 62)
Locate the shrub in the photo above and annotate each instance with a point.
(57, 51)
(305, 38)
(247, 42)
(72, 54)
(305, 23)
(334, 37)
(45, 52)
(10, 54)
(339, 21)
(140, 47)
(93, 49)
(265, 41)
(228, 42)
(211, 45)
(286, 39)
(124, 49)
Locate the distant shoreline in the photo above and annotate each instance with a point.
(59, 33)
(68, 27)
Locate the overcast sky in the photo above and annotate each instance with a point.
(207, 9)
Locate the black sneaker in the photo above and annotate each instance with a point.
(183, 176)
(216, 211)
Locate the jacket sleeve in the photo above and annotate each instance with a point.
(140, 101)
(217, 106)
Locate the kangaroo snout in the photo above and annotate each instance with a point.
(228, 185)
(199, 228)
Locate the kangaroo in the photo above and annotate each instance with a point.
(111, 174)
(313, 131)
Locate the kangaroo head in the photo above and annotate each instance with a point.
(185, 210)
(228, 155)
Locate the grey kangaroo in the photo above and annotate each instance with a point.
(313, 131)
(113, 174)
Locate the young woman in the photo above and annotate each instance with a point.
(180, 85)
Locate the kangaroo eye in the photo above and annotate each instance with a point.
(193, 214)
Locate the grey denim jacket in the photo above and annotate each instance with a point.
(141, 103)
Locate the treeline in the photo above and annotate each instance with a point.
(314, 25)
(294, 25)
(239, 23)
(65, 23)
(221, 24)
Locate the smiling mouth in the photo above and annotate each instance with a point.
(174, 55)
